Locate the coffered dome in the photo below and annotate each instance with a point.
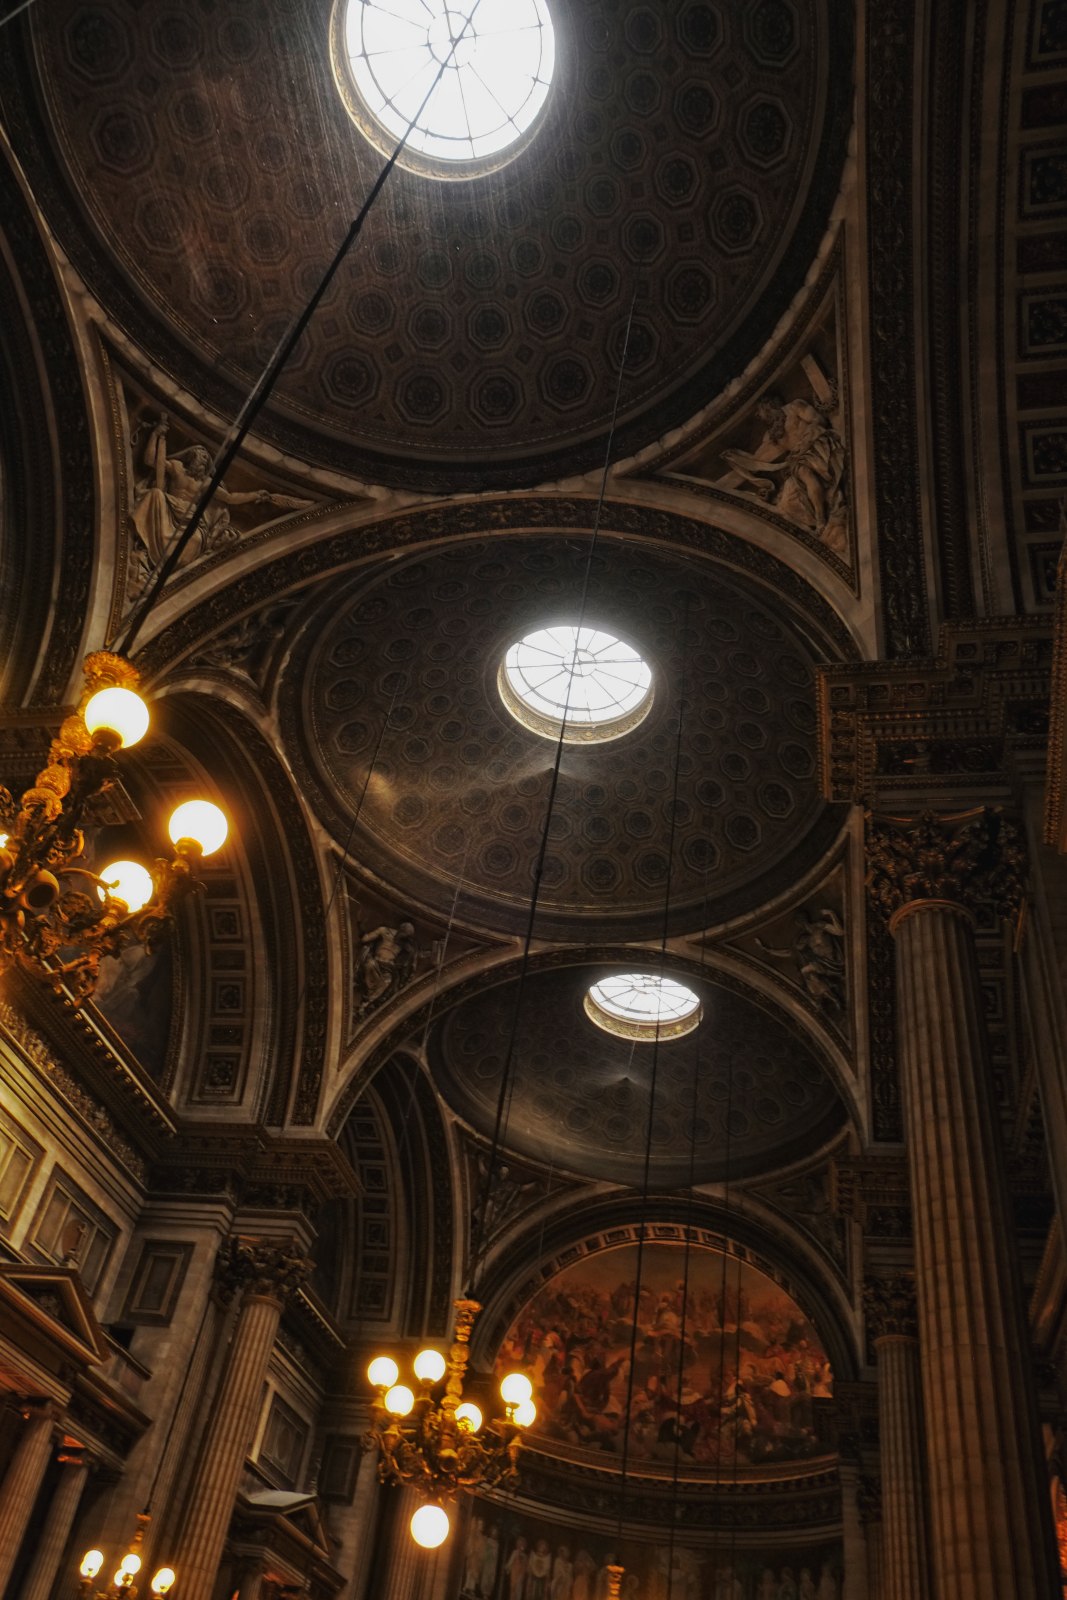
(687, 156)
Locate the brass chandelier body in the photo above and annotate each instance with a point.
(57, 917)
(440, 1447)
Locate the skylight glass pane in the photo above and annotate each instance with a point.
(643, 1005)
(485, 64)
(595, 684)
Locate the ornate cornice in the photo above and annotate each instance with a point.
(953, 721)
(274, 1269)
(890, 1308)
(975, 860)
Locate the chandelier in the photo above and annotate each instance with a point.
(440, 1446)
(124, 1583)
(57, 917)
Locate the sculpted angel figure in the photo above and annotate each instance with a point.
(799, 466)
(385, 963)
(165, 498)
(819, 952)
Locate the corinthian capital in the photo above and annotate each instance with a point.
(976, 859)
(889, 1307)
(275, 1268)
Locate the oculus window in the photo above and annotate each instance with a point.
(642, 1005)
(584, 680)
(474, 77)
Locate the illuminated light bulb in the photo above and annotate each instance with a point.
(130, 1564)
(468, 1416)
(122, 1580)
(128, 881)
(92, 1561)
(383, 1372)
(200, 822)
(164, 1580)
(429, 1366)
(516, 1388)
(3, 841)
(430, 1526)
(118, 713)
(399, 1400)
(525, 1414)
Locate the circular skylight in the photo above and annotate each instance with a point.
(473, 75)
(641, 1005)
(595, 684)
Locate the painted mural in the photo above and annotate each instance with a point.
(511, 1556)
(726, 1368)
(134, 994)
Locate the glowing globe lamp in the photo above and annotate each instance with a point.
(429, 1366)
(118, 715)
(130, 1564)
(525, 1414)
(130, 882)
(163, 1582)
(200, 823)
(516, 1388)
(92, 1561)
(429, 1526)
(468, 1416)
(399, 1400)
(383, 1372)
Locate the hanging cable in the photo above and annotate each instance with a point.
(642, 1225)
(264, 386)
(503, 1097)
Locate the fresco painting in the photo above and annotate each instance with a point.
(511, 1556)
(727, 1368)
(135, 995)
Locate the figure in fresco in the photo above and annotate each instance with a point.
(807, 1585)
(799, 466)
(689, 1401)
(562, 1574)
(490, 1562)
(584, 1585)
(539, 1571)
(727, 1586)
(515, 1570)
(787, 1585)
(163, 502)
(768, 1585)
(828, 1589)
(472, 1566)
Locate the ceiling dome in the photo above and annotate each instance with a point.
(688, 154)
(579, 1097)
(394, 713)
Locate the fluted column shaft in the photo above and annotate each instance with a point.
(987, 1537)
(876, 1561)
(56, 1531)
(904, 1566)
(229, 1435)
(853, 1539)
(408, 1563)
(22, 1484)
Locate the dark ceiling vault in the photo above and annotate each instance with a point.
(689, 152)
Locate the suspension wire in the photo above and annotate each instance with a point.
(722, 1301)
(264, 385)
(16, 11)
(506, 1088)
(642, 1227)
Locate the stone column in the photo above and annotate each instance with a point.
(22, 1483)
(989, 1533)
(55, 1534)
(892, 1329)
(264, 1272)
(409, 1566)
(855, 1545)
